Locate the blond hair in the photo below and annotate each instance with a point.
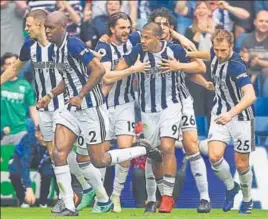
(221, 35)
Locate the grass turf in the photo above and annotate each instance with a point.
(40, 213)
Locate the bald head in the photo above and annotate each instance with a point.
(155, 28)
(57, 18)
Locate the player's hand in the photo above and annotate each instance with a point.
(186, 43)
(43, 102)
(76, 101)
(141, 66)
(168, 65)
(105, 38)
(29, 196)
(224, 118)
(210, 86)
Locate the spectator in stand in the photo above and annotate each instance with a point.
(29, 153)
(86, 26)
(12, 13)
(223, 13)
(129, 7)
(243, 25)
(203, 27)
(74, 12)
(99, 23)
(48, 6)
(17, 98)
(260, 5)
(255, 48)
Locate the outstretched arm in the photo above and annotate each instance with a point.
(199, 79)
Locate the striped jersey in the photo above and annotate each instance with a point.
(122, 90)
(72, 59)
(228, 78)
(158, 90)
(46, 75)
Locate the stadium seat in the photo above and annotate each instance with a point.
(202, 126)
(239, 41)
(261, 106)
(261, 129)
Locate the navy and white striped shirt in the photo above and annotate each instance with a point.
(122, 90)
(228, 78)
(72, 59)
(46, 76)
(157, 90)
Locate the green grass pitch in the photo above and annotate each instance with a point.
(39, 213)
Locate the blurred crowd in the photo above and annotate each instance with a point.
(197, 20)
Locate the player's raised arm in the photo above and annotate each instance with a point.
(205, 55)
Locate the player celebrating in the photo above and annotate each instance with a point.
(120, 99)
(163, 17)
(232, 117)
(85, 112)
(160, 102)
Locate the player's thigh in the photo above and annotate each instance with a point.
(243, 135)
(151, 128)
(218, 138)
(125, 119)
(94, 124)
(81, 146)
(188, 121)
(67, 130)
(169, 122)
(218, 132)
(45, 120)
(111, 131)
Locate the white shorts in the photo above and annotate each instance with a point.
(121, 120)
(91, 123)
(162, 124)
(188, 121)
(81, 146)
(242, 133)
(47, 124)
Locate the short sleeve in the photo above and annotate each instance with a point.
(133, 55)
(29, 96)
(238, 71)
(135, 38)
(179, 53)
(78, 49)
(104, 50)
(25, 52)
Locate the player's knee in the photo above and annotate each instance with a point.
(167, 150)
(214, 157)
(98, 162)
(59, 155)
(241, 166)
